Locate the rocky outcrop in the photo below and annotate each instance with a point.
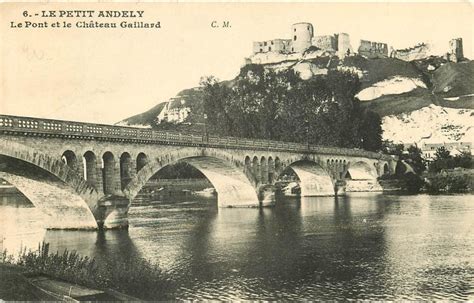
(430, 124)
(393, 86)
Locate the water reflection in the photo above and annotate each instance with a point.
(362, 246)
(96, 244)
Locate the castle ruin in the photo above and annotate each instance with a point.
(417, 52)
(303, 34)
(303, 38)
(373, 50)
(275, 45)
(343, 44)
(327, 42)
(455, 53)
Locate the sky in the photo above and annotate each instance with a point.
(106, 75)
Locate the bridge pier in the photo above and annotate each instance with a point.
(96, 180)
(340, 188)
(112, 212)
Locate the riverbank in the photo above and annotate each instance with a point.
(165, 188)
(41, 275)
(14, 286)
(458, 180)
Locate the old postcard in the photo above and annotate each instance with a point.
(236, 151)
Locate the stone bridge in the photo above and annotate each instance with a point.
(84, 176)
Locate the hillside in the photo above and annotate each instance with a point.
(150, 117)
(145, 118)
(389, 86)
(453, 82)
(379, 70)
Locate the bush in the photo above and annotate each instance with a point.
(412, 183)
(445, 161)
(5, 258)
(448, 184)
(134, 276)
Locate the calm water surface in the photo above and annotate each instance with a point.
(363, 246)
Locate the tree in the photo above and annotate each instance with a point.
(414, 158)
(444, 160)
(463, 160)
(262, 103)
(215, 95)
(388, 147)
(371, 131)
(442, 153)
(412, 183)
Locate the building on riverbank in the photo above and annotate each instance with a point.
(455, 148)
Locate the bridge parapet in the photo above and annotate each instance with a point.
(28, 126)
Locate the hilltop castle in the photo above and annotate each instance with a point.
(303, 38)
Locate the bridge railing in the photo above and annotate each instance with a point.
(28, 125)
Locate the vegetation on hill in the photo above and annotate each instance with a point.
(281, 106)
(454, 79)
(381, 69)
(401, 103)
(443, 80)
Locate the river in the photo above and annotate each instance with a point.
(363, 246)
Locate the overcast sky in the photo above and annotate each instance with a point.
(105, 75)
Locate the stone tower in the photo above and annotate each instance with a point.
(343, 44)
(455, 50)
(302, 35)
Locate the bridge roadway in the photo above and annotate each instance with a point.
(101, 168)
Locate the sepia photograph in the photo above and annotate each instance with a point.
(236, 151)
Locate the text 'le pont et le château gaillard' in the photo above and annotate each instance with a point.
(134, 17)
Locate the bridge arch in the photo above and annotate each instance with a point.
(51, 185)
(271, 170)
(263, 170)
(125, 169)
(142, 160)
(314, 179)
(278, 166)
(361, 170)
(248, 164)
(362, 176)
(90, 168)
(386, 169)
(256, 169)
(70, 159)
(44, 161)
(64, 209)
(108, 172)
(233, 187)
